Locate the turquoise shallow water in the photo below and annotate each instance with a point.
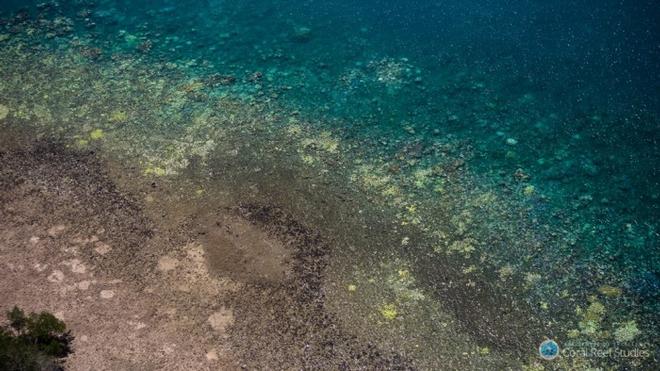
(506, 153)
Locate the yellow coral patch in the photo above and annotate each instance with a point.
(4, 111)
(118, 117)
(294, 129)
(465, 247)
(627, 331)
(484, 199)
(573, 334)
(157, 171)
(327, 143)
(532, 279)
(389, 311)
(594, 312)
(505, 272)
(483, 351)
(591, 318)
(307, 159)
(391, 191)
(370, 177)
(421, 177)
(96, 134)
(610, 291)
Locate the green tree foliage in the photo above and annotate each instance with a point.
(33, 342)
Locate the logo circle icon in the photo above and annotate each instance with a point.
(549, 350)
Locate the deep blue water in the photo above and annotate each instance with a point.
(604, 52)
(558, 101)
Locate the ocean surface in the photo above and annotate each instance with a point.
(484, 173)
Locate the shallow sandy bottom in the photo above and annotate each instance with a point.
(143, 284)
(69, 245)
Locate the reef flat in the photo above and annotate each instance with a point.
(295, 213)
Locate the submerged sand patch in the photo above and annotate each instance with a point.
(245, 252)
(221, 319)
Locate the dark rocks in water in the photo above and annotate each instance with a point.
(292, 312)
(145, 46)
(220, 80)
(91, 52)
(645, 286)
